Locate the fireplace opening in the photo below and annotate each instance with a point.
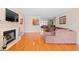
(10, 36)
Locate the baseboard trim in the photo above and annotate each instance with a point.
(63, 43)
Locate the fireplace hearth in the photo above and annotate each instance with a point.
(9, 36)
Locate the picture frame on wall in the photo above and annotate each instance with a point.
(21, 21)
(62, 20)
(35, 21)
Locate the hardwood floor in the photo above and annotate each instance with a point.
(35, 42)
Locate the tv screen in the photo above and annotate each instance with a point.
(11, 16)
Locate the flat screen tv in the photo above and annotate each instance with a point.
(11, 16)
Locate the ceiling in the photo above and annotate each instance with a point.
(43, 12)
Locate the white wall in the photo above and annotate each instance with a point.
(72, 21)
(2, 14)
(28, 25)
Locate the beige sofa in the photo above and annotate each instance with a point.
(61, 36)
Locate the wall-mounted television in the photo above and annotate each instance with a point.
(11, 16)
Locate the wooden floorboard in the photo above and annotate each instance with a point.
(35, 42)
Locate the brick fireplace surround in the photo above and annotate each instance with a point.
(6, 26)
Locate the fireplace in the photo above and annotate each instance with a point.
(9, 36)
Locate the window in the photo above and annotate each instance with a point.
(62, 20)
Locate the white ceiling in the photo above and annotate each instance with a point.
(43, 12)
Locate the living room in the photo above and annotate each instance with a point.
(33, 25)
